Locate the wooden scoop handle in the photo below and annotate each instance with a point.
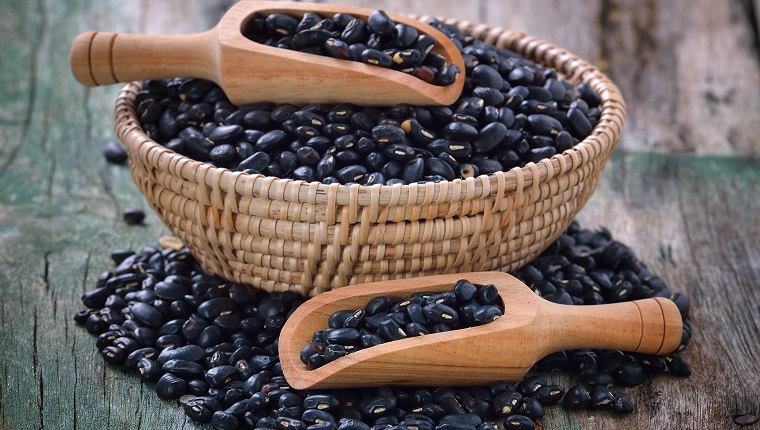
(101, 58)
(651, 326)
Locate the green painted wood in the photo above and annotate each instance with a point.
(692, 219)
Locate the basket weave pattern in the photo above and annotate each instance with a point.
(281, 234)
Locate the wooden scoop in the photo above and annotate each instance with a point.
(250, 72)
(505, 349)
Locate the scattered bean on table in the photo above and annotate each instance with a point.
(212, 344)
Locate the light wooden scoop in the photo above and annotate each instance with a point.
(251, 72)
(505, 349)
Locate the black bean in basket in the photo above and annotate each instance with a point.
(383, 320)
(511, 112)
(226, 371)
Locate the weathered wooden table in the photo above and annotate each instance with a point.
(683, 190)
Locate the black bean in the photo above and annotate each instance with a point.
(447, 75)
(355, 31)
(629, 373)
(304, 173)
(537, 154)
(215, 307)
(594, 377)
(520, 76)
(486, 314)
(437, 166)
(487, 76)
(170, 386)
(347, 157)
(343, 336)
(220, 375)
(458, 130)
(549, 394)
(226, 134)
(439, 313)
(399, 152)
(380, 23)
(519, 422)
(281, 24)
(376, 58)
(133, 216)
(389, 330)
(198, 411)
(271, 141)
(579, 124)
(378, 406)
(406, 59)
(258, 161)
(337, 48)
(544, 124)
(96, 298)
(375, 178)
(416, 329)
(490, 137)
(651, 363)
(352, 173)
(387, 134)
(531, 408)
(114, 355)
(149, 370)
(601, 397)
(146, 314)
(222, 420)
(622, 403)
(588, 95)
(413, 170)
(183, 368)
(326, 167)
(114, 152)
(187, 352)
(677, 365)
(577, 397)
(487, 166)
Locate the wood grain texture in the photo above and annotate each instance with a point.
(251, 72)
(692, 219)
(530, 329)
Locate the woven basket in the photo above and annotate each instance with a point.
(281, 234)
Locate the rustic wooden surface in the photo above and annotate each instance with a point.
(683, 191)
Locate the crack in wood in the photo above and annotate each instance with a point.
(50, 180)
(36, 369)
(76, 380)
(86, 271)
(45, 270)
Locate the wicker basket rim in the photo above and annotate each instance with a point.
(606, 133)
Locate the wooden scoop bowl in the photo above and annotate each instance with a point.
(250, 72)
(505, 349)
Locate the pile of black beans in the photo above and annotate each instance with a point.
(213, 345)
(511, 112)
(384, 320)
(377, 41)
